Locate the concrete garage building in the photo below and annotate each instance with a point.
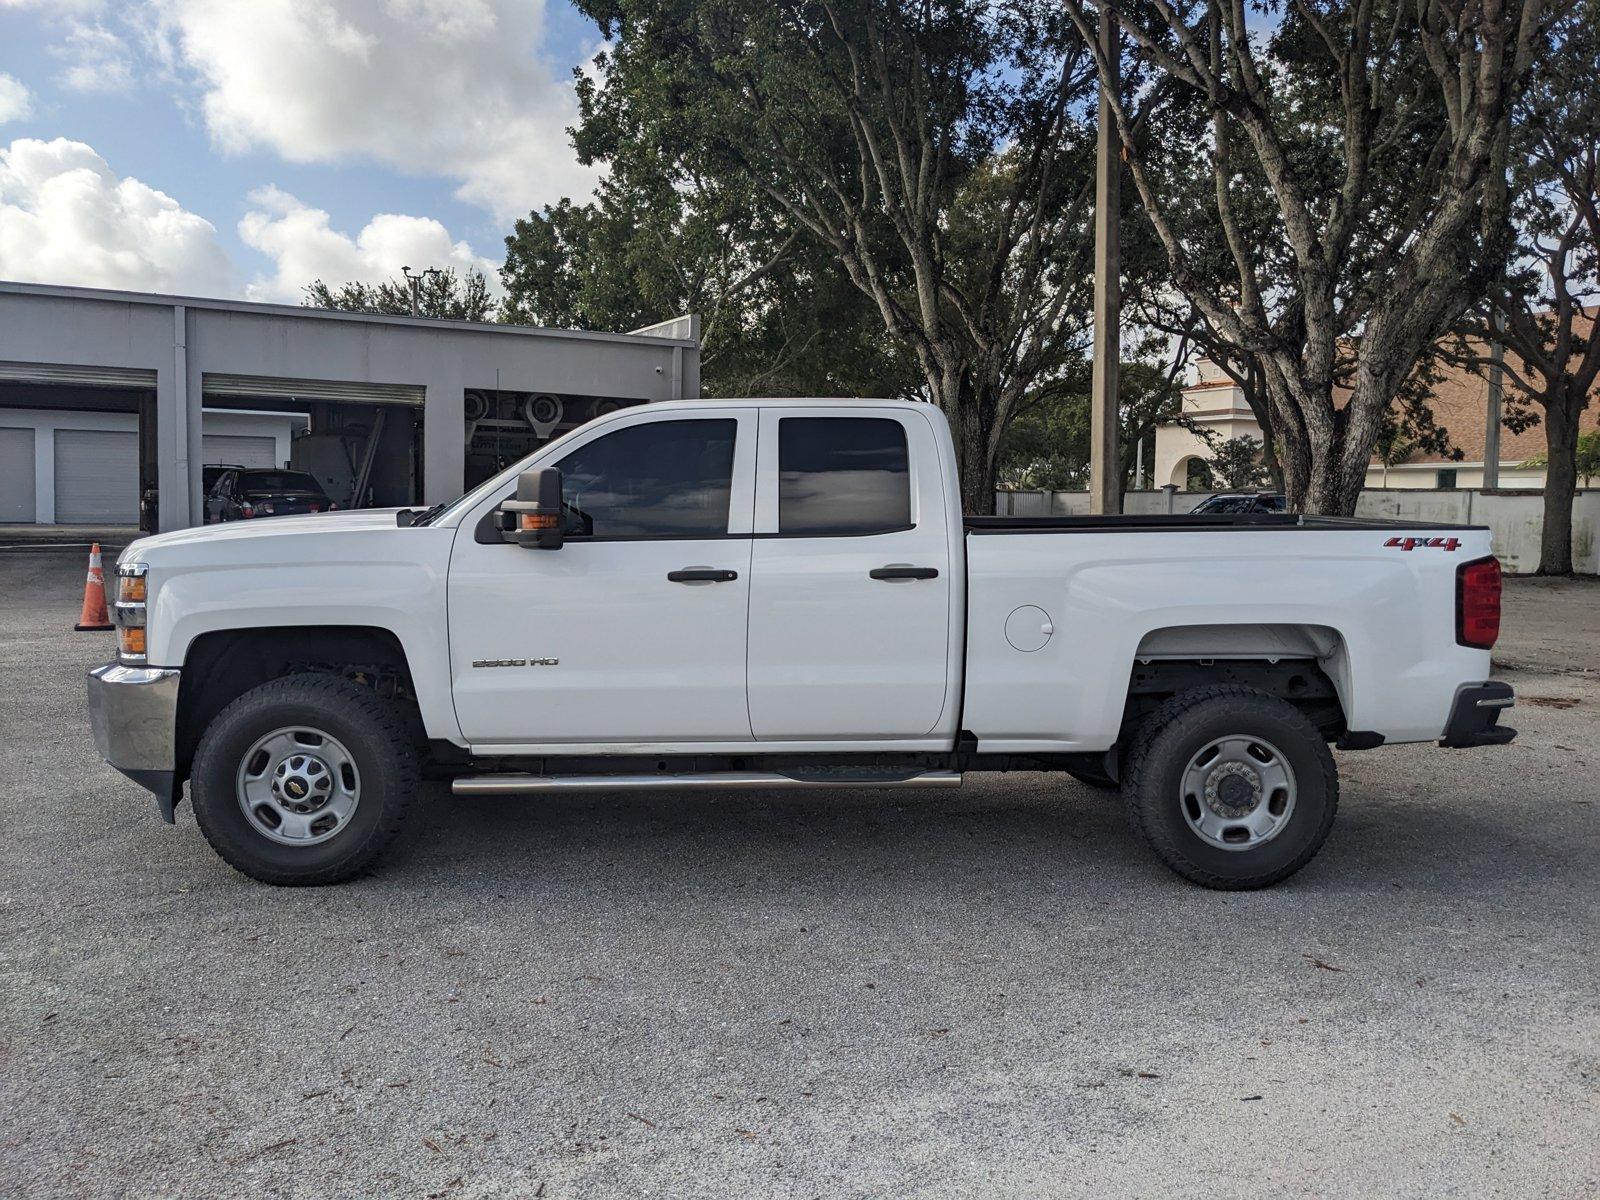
(112, 403)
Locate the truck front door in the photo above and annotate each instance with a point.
(850, 603)
(634, 630)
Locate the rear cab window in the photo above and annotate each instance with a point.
(842, 476)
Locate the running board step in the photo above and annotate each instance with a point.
(721, 781)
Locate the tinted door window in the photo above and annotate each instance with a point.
(839, 475)
(660, 479)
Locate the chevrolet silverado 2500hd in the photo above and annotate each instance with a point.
(755, 594)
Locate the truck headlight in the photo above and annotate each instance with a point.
(128, 613)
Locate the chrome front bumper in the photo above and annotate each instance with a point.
(133, 712)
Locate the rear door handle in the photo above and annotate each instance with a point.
(903, 571)
(702, 575)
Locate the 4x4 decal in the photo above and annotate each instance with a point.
(1412, 543)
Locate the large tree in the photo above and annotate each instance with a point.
(1379, 131)
(778, 316)
(938, 153)
(1541, 310)
(1047, 444)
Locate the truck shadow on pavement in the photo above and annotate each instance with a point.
(1020, 830)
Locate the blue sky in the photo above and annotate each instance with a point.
(303, 119)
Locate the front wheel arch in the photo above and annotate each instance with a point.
(221, 666)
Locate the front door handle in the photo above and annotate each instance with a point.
(702, 575)
(903, 571)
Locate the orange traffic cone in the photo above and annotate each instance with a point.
(94, 615)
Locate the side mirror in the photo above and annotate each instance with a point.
(534, 517)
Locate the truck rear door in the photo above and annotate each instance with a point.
(850, 576)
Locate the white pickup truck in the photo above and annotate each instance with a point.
(782, 593)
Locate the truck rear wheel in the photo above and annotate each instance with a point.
(1232, 788)
(304, 780)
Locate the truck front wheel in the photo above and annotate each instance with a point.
(1232, 788)
(304, 780)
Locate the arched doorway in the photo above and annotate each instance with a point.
(1191, 473)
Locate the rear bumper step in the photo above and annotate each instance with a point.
(1474, 720)
(721, 781)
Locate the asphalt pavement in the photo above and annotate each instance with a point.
(990, 992)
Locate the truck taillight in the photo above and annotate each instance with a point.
(1478, 603)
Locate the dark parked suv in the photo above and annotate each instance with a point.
(1241, 502)
(242, 493)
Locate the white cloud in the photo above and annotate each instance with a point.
(16, 102)
(304, 246)
(453, 88)
(98, 60)
(56, 7)
(66, 217)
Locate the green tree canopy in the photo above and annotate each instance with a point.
(934, 157)
(444, 294)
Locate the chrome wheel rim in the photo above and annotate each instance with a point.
(298, 786)
(1238, 792)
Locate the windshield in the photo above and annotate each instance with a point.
(279, 481)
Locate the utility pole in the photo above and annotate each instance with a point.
(1491, 428)
(416, 286)
(1105, 474)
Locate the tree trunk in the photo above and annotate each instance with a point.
(972, 425)
(1560, 482)
(975, 462)
(1326, 492)
(1303, 465)
(1255, 395)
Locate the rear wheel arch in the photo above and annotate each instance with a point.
(1307, 665)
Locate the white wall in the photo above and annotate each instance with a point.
(1160, 501)
(281, 427)
(45, 421)
(1468, 475)
(1515, 520)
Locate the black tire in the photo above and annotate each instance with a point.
(1176, 732)
(373, 731)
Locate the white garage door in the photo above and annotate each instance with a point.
(16, 476)
(97, 477)
(238, 450)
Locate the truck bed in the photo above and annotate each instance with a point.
(1192, 523)
(1373, 601)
